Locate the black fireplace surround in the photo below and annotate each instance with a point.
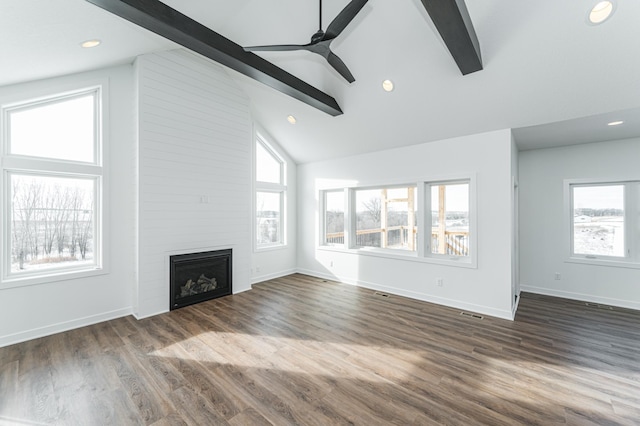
(196, 277)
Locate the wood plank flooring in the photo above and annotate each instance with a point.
(300, 350)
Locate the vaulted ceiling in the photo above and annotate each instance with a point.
(543, 63)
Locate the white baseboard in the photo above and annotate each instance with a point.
(514, 309)
(581, 297)
(261, 278)
(149, 315)
(457, 304)
(48, 330)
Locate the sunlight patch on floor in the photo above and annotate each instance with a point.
(338, 360)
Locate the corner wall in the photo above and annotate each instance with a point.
(194, 168)
(543, 248)
(487, 289)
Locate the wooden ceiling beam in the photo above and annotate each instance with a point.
(167, 22)
(453, 22)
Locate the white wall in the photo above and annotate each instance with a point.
(542, 214)
(194, 136)
(272, 263)
(36, 310)
(486, 289)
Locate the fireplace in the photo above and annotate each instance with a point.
(196, 277)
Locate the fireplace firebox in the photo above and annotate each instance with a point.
(196, 277)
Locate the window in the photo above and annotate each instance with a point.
(52, 176)
(385, 218)
(604, 221)
(270, 195)
(334, 217)
(389, 220)
(449, 217)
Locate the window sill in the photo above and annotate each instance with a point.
(274, 247)
(13, 282)
(604, 262)
(398, 255)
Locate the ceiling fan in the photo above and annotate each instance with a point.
(321, 40)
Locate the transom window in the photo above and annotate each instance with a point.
(52, 176)
(270, 195)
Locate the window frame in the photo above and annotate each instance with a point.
(353, 219)
(429, 220)
(323, 209)
(421, 253)
(269, 187)
(631, 201)
(16, 164)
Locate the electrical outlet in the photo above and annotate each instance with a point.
(439, 282)
(257, 269)
(557, 276)
(331, 263)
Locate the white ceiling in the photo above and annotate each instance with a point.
(543, 64)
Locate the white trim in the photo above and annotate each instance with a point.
(51, 276)
(514, 308)
(263, 278)
(450, 303)
(97, 170)
(49, 330)
(422, 205)
(262, 137)
(472, 259)
(631, 210)
(322, 212)
(581, 297)
(410, 256)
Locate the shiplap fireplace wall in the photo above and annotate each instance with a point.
(193, 167)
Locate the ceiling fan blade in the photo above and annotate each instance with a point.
(343, 19)
(339, 66)
(275, 48)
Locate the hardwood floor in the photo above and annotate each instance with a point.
(300, 350)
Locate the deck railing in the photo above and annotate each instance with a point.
(457, 242)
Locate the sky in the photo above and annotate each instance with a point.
(599, 197)
(65, 130)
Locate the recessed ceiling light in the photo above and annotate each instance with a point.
(90, 43)
(291, 119)
(387, 85)
(601, 12)
(615, 123)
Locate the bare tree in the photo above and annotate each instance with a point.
(62, 218)
(48, 205)
(374, 208)
(85, 226)
(26, 219)
(19, 218)
(75, 216)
